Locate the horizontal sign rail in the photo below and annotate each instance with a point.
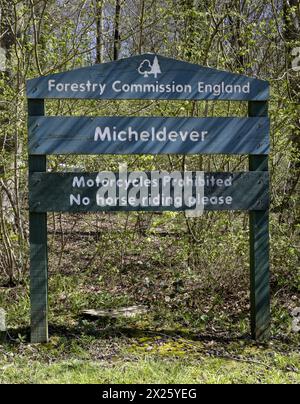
(152, 191)
(151, 77)
(128, 135)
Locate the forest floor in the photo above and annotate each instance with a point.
(190, 334)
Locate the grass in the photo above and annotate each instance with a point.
(196, 329)
(128, 352)
(147, 370)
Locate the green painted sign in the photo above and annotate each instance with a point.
(152, 191)
(149, 77)
(141, 135)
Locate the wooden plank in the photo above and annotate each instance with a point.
(259, 249)
(38, 250)
(125, 312)
(151, 77)
(127, 135)
(78, 192)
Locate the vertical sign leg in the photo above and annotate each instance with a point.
(259, 250)
(38, 250)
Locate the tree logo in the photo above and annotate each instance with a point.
(146, 68)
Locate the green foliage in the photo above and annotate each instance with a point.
(153, 371)
(185, 270)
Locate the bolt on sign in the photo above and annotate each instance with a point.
(149, 77)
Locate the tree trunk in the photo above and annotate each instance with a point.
(8, 259)
(141, 35)
(7, 41)
(291, 13)
(6, 36)
(117, 36)
(189, 31)
(99, 29)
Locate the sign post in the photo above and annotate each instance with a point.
(149, 77)
(38, 248)
(259, 249)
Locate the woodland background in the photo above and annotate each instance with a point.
(192, 274)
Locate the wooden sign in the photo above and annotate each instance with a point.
(149, 77)
(92, 192)
(126, 135)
